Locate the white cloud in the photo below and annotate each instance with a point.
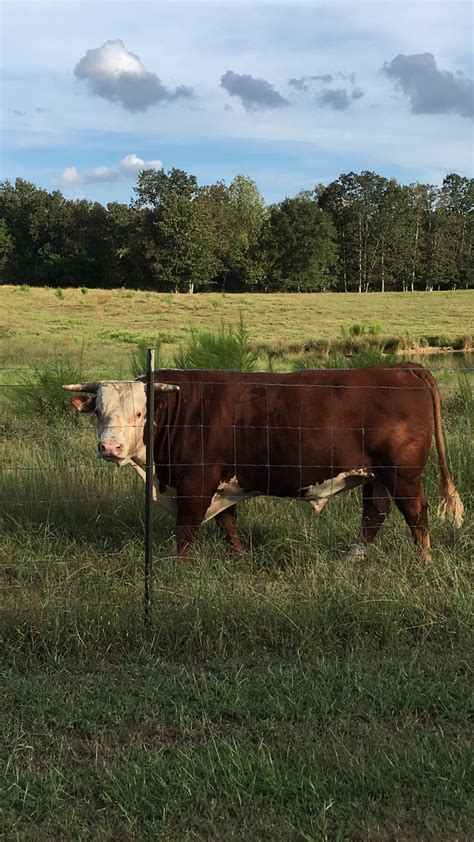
(68, 177)
(128, 167)
(132, 163)
(113, 73)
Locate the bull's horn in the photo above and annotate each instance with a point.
(166, 387)
(81, 387)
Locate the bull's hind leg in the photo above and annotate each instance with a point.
(410, 499)
(227, 522)
(375, 508)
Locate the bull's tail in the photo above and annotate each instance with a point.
(450, 504)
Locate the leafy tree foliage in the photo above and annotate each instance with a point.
(301, 247)
(360, 232)
(177, 230)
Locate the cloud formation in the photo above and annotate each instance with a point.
(115, 74)
(301, 84)
(337, 98)
(431, 91)
(127, 168)
(254, 94)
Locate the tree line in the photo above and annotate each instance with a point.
(361, 232)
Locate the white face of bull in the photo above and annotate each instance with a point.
(120, 408)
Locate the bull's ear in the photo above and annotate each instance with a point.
(83, 403)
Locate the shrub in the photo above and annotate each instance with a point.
(463, 343)
(366, 355)
(360, 329)
(357, 329)
(139, 361)
(362, 355)
(59, 293)
(24, 288)
(41, 392)
(438, 341)
(311, 361)
(84, 290)
(229, 348)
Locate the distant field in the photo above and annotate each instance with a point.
(36, 323)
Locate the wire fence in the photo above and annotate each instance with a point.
(222, 437)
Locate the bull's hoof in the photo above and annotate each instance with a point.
(356, 552)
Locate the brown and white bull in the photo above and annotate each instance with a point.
(223, 436)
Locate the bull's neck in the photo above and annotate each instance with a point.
(163, 439)
(140, 458)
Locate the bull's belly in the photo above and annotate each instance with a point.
(230, 493)
(317, 495)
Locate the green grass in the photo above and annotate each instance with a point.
(36, 323)
(288, 696)
(153, 749)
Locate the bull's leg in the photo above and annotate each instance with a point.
(375, 508)
(191, 511)
(410, 499)
(227, 522)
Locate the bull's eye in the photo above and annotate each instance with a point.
(139, 415)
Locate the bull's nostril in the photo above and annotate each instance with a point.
(110, 448)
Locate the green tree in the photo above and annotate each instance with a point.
(352, 202)
(187, 259)
(126, 227)
(177, 231)
(6, 247)
(247, 214)
(301, 245)
(154, 186)
(455, 221)
(20, 204)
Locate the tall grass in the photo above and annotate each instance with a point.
(228, 348)
(139, 360)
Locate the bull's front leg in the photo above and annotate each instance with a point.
(190, 515)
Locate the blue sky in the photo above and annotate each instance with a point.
(290, 94)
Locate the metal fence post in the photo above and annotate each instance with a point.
(149, 444)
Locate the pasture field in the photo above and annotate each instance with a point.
(288, 696)
(107, 323)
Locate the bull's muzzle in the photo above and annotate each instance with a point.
(110, 449)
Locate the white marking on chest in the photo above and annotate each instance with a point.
(166, 498)
(227, 494)
(319, 493)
